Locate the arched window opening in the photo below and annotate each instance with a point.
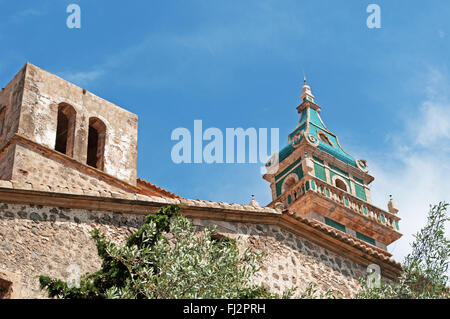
(65, 129)
(5, 289)
(324, 138)
(289, 182)
(96, 143)
(341, 184)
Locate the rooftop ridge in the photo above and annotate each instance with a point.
(18, 185)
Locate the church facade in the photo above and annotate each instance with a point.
(68, 165)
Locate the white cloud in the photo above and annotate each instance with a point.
(27, 13)
(416, 182)
(435, 125)
(416, 170)
(81, 78)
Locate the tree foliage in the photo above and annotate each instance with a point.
(166, 258)
(425, 271)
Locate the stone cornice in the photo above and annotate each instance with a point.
(142, 186)
(18, 138)
(306, 104)
(314, 151)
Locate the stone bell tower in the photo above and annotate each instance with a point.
(55, 133)
(315, 178)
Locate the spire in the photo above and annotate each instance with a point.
(306, 91)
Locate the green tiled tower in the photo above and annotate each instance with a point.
(316, 178)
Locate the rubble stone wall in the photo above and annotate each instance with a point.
(11, 100)
(6, 163)
(38, 240)
(35, 167)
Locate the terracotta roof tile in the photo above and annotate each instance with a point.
(357, 243)
(145, 184)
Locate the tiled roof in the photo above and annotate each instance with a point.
(313, 125)
(325, 229)
(346, 238)
(135, 196)
(285, 152)
(147, 185)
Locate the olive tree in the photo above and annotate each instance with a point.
(167, 258)
(425, 269)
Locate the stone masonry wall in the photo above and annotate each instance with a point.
(292, 261)
(36, 240)
(11, 98)
(36, 167)
(6, 163)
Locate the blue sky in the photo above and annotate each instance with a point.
(384, 92)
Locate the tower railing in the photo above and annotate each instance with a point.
(312, 184)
